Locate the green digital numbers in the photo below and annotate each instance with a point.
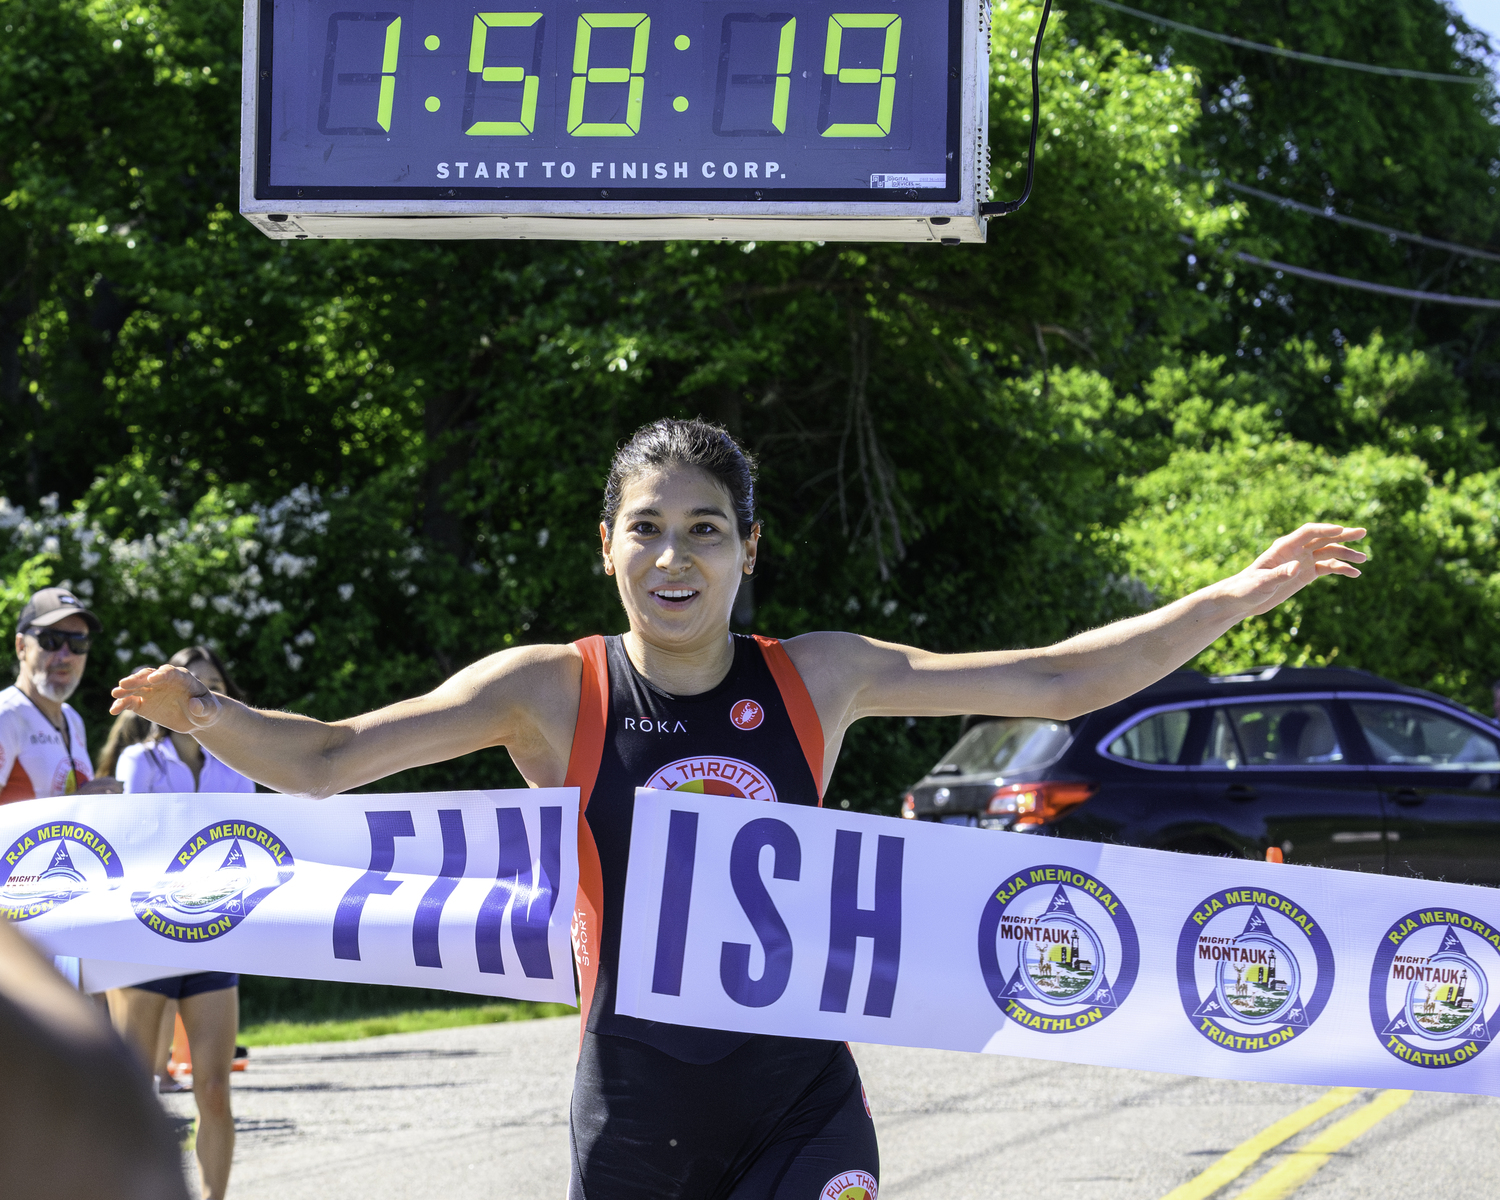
(584, 74)
(388, 74)
(505, 70)
(884, 75)
(337, 111)
(479, 73)
(783, 75)
(733, 75)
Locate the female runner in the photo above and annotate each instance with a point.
(209, 1001)
(661, 1110)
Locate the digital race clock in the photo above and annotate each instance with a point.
(861, 120)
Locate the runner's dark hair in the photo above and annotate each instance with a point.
(192, 654)
(673, 443)
(128, 729)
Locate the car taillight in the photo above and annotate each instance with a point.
(909, 806)
(1039, 803)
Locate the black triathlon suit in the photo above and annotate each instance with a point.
(667, 1111)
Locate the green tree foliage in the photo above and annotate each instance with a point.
(1424, 612)
(1420, 156)
(358, 466)
(112, 149)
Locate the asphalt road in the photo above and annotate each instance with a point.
(482, 1112)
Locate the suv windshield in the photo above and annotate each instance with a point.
(1006, 746)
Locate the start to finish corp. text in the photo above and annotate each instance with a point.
(617, 170)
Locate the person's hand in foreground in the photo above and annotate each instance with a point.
(173, 697)
(78, 1120)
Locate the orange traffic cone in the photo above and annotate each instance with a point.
(180, 1062)
(180, 1059)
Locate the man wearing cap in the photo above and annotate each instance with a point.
(43, 751)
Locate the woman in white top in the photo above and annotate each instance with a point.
(209, 1001)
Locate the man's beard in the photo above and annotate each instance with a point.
(55, 692)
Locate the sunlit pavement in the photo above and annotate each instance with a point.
(482, 1112)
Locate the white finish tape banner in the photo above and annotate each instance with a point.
(469, 891)
(815, 923)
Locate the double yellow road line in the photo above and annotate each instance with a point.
(1300, 1165)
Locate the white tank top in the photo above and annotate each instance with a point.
(34, 754)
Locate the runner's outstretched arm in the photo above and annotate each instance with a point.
(524, 699)
(852, 677)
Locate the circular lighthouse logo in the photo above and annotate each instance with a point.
(52, 864)
(214, 882)
(1057, 949)
(1430, 996)
(1254, 969)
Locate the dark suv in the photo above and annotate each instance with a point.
(1336, 768)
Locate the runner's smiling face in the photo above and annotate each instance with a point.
(677, 556)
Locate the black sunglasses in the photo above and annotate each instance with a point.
(52, 640)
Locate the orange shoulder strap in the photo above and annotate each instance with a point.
(593, 711)
(583, 771)
(799, 706)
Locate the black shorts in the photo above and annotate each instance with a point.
(180, 987)
(777, 1119)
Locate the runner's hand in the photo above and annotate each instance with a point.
(170, 696)
(1296, 560)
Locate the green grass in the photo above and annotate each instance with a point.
(281, 1012)
(286, 1033)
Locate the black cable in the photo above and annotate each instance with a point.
(1328, 214)
(1004, 208)
(1303, 56)
(1363, 285)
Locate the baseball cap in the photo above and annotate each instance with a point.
(51, 605)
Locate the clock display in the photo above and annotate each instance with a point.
(670, 99)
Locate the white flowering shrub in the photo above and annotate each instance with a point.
(328, 605)
(201, 579)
